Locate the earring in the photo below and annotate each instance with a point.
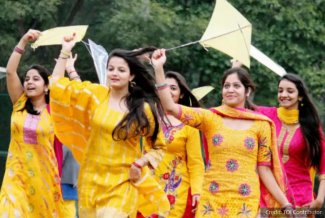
(301, 104)
(132, 84)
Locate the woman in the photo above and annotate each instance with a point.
(31, 184)
(241, 148)
(301, 140)
(103, 125)
(182, 168)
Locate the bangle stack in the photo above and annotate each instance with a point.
(137, 165)
(161, 86)
(19, 50)
(64, 54)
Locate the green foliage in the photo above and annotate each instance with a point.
(290, 32)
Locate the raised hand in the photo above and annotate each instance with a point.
(158, 58)
(68, 42)
(30, 36)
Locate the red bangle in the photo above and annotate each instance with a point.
(19, 50)
(137, 165)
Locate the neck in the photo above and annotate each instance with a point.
(38, 103)
(119, 93)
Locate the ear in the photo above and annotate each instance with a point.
(249, 90)
(299, 98)
(131, 78)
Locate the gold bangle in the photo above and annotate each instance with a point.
(66, 53)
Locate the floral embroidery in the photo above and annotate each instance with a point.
(171, 199)
(244, 189)
(214, 187)
(249, 143)
(262, 142)
(244, 212)
(232, 165)
(217, 139)
(172, 181)
(223, 210)
(207, 209)
(169, 132)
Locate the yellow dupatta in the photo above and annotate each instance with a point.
(267, 199)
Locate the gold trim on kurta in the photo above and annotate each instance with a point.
(285, 137)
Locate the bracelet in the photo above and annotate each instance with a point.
(67, 53)
(321, 177)
(72, 71)
(72, 78)
(19, 50)
(161, 86)
(287, 206)
(137, 165)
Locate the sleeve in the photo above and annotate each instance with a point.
(154, 152)
(194, 117)
(195, 163)
(264, 155)
(322, 160)
(72, 106)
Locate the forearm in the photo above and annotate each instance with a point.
(72, 73)
(321, 191)
(59, 69)
(15, 57)
(164, 93)
(272, 186)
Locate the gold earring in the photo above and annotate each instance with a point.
(132, 84)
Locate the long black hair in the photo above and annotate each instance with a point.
(142, 90)
(44, 73)
(188, 99)
(308, 119)
(245, 79)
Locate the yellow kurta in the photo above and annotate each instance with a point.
(31, 184)
(84, 122)
(181, 168)
(231, 186)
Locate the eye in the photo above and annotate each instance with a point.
(237, 86)
(226, 86)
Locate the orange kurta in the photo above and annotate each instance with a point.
(31, 184)
(84, 122)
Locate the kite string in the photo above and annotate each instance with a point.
(86, 45)
(194, 42)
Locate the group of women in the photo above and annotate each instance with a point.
(138, 141)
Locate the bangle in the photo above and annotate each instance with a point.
(321, 177)
(286, 207)
(72, 71)
(19, 50)
(137, 165)
(72, 78)
(66, 53)
(161, 86)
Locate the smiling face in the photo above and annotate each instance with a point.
(34, 85)
(234, 92)
(288, 95)
(175, 90)
(118, 73)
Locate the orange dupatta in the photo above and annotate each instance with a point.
(267, 200)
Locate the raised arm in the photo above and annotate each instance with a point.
(158, 60)
(70, 68)
(14, 86)
(68, 43)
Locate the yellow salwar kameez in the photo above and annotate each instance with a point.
(31, 184)
(231, 186)
(181, 168)
(84, 123)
